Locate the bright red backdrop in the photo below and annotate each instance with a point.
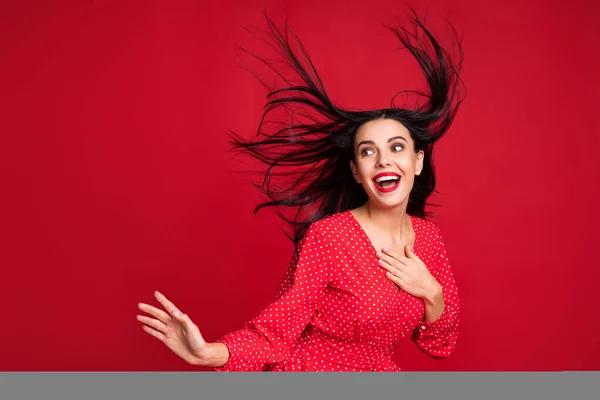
(116, 180)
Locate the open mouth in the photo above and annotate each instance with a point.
(387, 182)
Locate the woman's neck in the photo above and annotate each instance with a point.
(393, 222)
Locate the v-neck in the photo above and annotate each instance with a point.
(368, 239)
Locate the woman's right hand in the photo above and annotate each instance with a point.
(176, 330)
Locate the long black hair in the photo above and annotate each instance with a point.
(307, 156)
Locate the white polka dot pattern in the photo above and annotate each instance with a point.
(339, 312)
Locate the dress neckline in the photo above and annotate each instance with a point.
(366, 237)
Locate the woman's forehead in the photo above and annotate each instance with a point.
(380, 130)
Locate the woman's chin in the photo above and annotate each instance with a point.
(391, 203)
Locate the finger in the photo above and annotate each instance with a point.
(393, 269)
(170, 307)
(386, 265)
(389, 259)
(154, 332)
(186, 321)
(386, 258)
(154, 323)
(398, 281)
(405, 260)
(177, 314)
(160, 314)
(390, 254)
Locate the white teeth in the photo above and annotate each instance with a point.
(387, 178)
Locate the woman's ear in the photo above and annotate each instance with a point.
(354, 171)
(420, 157)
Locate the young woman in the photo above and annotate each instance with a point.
(369, 269)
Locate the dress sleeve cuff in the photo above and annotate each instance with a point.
(436, 328)
(236, 355)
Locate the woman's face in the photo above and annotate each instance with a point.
(385, 162)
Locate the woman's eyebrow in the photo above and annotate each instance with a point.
(365, 142)
(372, 142)
(397, 137)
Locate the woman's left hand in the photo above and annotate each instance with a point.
(409, 273)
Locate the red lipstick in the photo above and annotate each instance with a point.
(391, 176)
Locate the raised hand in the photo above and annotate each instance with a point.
(409, 273)
(175, 329)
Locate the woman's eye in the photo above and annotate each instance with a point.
(366, 152)
(397, 147)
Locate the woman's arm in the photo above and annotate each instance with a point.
(437, 333)
(266, 340)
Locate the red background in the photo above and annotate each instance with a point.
(116, 180)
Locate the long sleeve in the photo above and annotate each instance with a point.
(438, 338)
(266, 340)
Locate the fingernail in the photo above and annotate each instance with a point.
(379, 254)
(380, 261)
(388, 274)
(176, 313)
(386, 249)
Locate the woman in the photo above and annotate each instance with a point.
(368, 269)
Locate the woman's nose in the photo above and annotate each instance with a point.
(383, 160)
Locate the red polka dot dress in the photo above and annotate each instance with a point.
(339, 312)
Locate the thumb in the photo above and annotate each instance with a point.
(409, 252)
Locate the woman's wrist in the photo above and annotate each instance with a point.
(434, 295)
(213, 355)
